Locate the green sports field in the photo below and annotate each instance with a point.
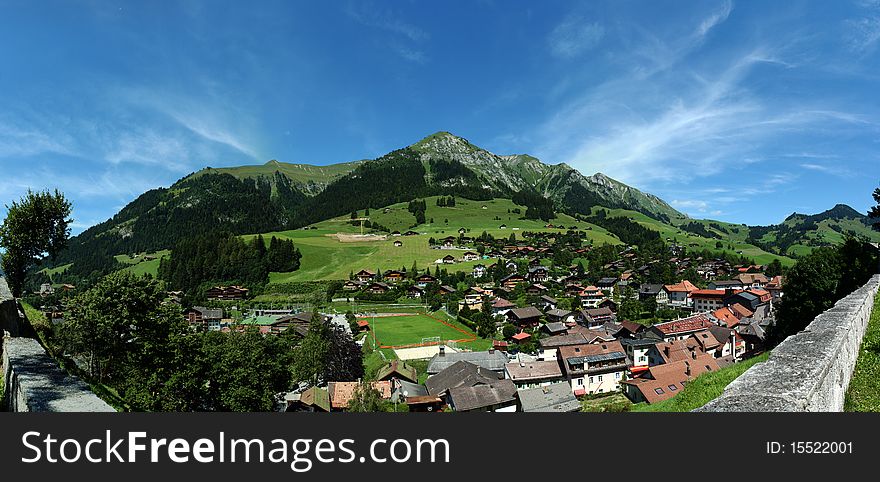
(400, 330)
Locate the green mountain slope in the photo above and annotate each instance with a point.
(800, 233)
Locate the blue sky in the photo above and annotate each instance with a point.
(739, 111)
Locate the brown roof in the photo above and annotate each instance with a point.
(342, 392)
(601, 348)
(679, 350)
(727, 316)
(684, 286)
(562, 340)
(665, 381)
(741, 311)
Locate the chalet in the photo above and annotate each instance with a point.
(227, 293)
(549, 346)
(607, 285)
(470, 256)
(448, 242)
(415, 291)
(637, 350)
(676, 295)
(204, 318)
(752, 280)
(533, 374)
(313, 399)
(591, 296)
(528, 316)
(378, 288)
(496, 397)
(501, 306)
(594, 368)
(573, 289)
(473, 300)
(398, 243)
(662, 382)
(425, 280)
(726, 317)
(510, 281)
(365, 276)
(479, 271)
(395, 233)
(446, 290)
(520, 337)
(594, 317)
(448, 259)
(394, 276)
(351, 285)
(396, 369)
(536, 289)
(609, 304)
(554, 398)
(548, 302)
(538, 274)
(557, 315)
(410, 233)
(680, 329)
(707, 300)
(554, 328)
(774, 287)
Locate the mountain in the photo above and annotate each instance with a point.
(279, 196)
(800, 233)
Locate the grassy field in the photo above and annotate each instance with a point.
(616, 402)
(410, 329)
(51, 273)
(140, 267)
(325, 257)
(732, 242)
(702, 390)
(863, 394)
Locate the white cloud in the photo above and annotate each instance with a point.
(715, 19)
(574, 36)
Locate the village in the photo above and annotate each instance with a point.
(554, 336)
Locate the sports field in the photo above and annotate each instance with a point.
(402, 330)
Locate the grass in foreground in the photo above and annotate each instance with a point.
(702, 390)
(614, 402)
(863, 394)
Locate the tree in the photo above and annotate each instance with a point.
(327, 353)
(35, 227)
(875, 211)
(366, 398)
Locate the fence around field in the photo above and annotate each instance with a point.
(469, 337)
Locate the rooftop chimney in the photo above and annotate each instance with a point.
(442, 350)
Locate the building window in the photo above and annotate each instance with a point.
(617, 375)
(600, 378)
(581, 382)
(591, 379)
(658, 391)
(672, 388)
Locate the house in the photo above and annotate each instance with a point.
(470, 256)
(398, 243)
(757, 303)
(394, 276)
(415, 396)
(538, 274)
(676, 295)
(594, 317)
(351, 285)
(548, 302)
(681, 328)
(724, 285)
(448, 259)
(395, 233)
(496, 397)
(774, 287)
(397, 369)
(549, 347)
(665, 381)
(607, 285)
(726, 316)
(46, 289)
(204, 318)
(664, 352)
(446, 290)
(555, 398)
(415, 291)
(509, 282)
(341, 393)
(555, 328)
(637, 353)
(629, 329)
(557, 315)
(530, 374)
(591, 296)
(479, 271)
(461, 373)
(609, 304)
(707, 300)
(501, 306)
(378, 288)
(488, 360)
(528, 316)
(227, 293)
(649, 291)
(594, 368)
(364, 276)
(752, 280)
(536, 289)
(425, 280)
(410, 233)
(313, 399)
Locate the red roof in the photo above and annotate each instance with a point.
(521, 336)
(685, 286)
(363, 323)
(691, 323)
(708, 294)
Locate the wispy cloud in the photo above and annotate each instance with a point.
(574, 36)
(379, 17)
(863, 32)
(714, 19)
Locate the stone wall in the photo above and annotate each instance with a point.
(809, 371)
(10, 321)
(35, 383)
